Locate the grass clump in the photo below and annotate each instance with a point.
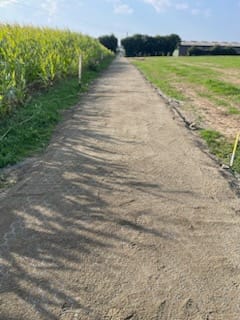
(220, 147)
(222, 88)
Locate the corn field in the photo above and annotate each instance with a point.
(35, 57)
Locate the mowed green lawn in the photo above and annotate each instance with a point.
(209, 88)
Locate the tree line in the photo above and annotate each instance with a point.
(143, 45)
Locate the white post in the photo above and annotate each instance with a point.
(80, 70)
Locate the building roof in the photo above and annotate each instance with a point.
(209, 44)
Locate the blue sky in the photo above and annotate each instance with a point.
(192, 19)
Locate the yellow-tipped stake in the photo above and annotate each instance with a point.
(234, 149)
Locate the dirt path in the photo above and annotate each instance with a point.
(123, 218)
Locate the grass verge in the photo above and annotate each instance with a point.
(220, 147)
(28, 130)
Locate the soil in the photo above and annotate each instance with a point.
(123, 217)
(229, 75)
(206, 113)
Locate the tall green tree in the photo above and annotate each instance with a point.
(173, 41)
(109, 41)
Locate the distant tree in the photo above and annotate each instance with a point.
(149, 46)
(197, 51)
(160, 45)
(109, 41)
(214, 51)
(172, 43)
(165, 45)
(218, 50)
(133, 45)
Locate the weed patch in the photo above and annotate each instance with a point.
(221, 147)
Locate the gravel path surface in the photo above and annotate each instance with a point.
(122, 218)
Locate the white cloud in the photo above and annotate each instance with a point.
(163, 5)
(122, 8)
(5, 3)
(182, 6)
(51, 7)
(195, 11)
(159, 5)
(119, 7)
